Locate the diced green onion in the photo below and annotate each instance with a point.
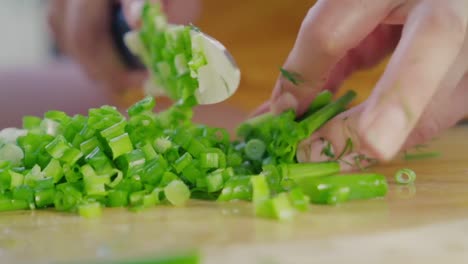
(214, 181)
(255, 149)
(282, 207)
(167, 178)
(261, 191)
(209, 160)
(117, 198)
(12, 153)
(54, 170)
(57, 147)
(149, 151)
(118, 177)
(192, 172)
(44, 197)
(177, 193)
(120, 145)
(145, 105)
(72, 173)
(31, 122)
(299, 200)
(90, 210)
(71, 156)
(181, 163)
(405, 176)
(16, 179)
(114, 130)
(162, 145)
(13, 205)
(67, 197)
(24, 193)
(236, 188)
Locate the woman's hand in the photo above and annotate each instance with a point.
(423, 90)
(82, 31)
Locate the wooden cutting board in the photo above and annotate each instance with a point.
(427, 223)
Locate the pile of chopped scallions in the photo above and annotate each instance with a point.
(105, 159)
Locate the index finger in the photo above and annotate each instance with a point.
(330, 29)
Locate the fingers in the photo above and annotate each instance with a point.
(369, 52)
(347, 143)
(375, 47)
(448, 105)
(329, 31)
(431, 40)
(88, 40)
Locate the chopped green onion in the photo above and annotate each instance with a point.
(120, 145)
(261, 191)
(405, 176)
(214, 181)
(299, 200)
(90, 210)
(13, 205)
(31, 122)
(117, 198)
(177, 193)
(145, 105)
(209, 160)
(57, 147)
(67, 197)
(54, 170)
(181, 163)
(16, 179)
(24, 193)
(236, 188)
(114, 130)
(254, 149)
(44, 197)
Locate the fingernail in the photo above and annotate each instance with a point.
(284, 102)
(387, 133)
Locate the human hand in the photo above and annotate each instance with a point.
(82, 30)
(423, 90)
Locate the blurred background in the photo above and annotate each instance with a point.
(259, 33)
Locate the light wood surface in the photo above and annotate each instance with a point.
(423, 224)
